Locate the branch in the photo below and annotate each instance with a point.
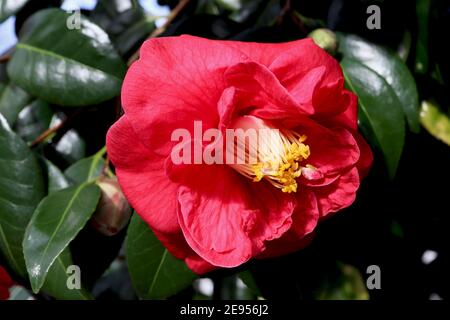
(158, 31)
(47, 133)
(5, 58)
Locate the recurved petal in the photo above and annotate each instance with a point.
(142, 177)
(225, 217)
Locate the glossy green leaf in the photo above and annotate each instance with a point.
(155, 273)
(71, 147)
(435, 121)
(390, 68)
(12, 100)
(381, 118)
(86, 169)
(55, 223)
(67, 67)
(56, 281)
(10, 7)
(56, 179)
(21, 189)
(33, 120)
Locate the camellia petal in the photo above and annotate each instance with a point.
(227, 223)
(338, 195)
(140, 173)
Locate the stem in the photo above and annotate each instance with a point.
(47, 133)
(5, 58)
(158, 31)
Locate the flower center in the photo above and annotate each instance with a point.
(279, 154)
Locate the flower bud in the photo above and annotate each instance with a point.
(326, 39)
(113, 211)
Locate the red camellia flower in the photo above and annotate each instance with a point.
(220, 214)
(5, 283)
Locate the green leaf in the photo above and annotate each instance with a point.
(348, 284)
(56, 179)
(270, 13)
(380, 116)
(133, 35)
(33, 120)
(423, 15)
(55, 223)
(71, 147)
(10, 7)
(21, 189)
(435, 121)
(154, 272)
(126, 23)
(12, 100)
(389, 67)
(56, 282)
(249, 281)
(86, 169)
(56, 63)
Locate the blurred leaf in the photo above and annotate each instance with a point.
(10, 7)
(86, 169)
(257, 13)
(155, 273)
(71, 147)
(56, 179)
(270, 14)
(12, 100)
(55, 223)
(247, 278)
(349, 285)
(423, 14)
(34, 119)
(207, 7)
(389, 68)
(57, 64)
(20, 293)
(231, 5)
(233, 288)
(397, 229)
(125, 21)
(404, 47)
(21, 189)
(204, 25)
(115, 282)
(435, 121)
(56, 281)
(134, 35)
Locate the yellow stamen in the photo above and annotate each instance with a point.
(280, 154)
